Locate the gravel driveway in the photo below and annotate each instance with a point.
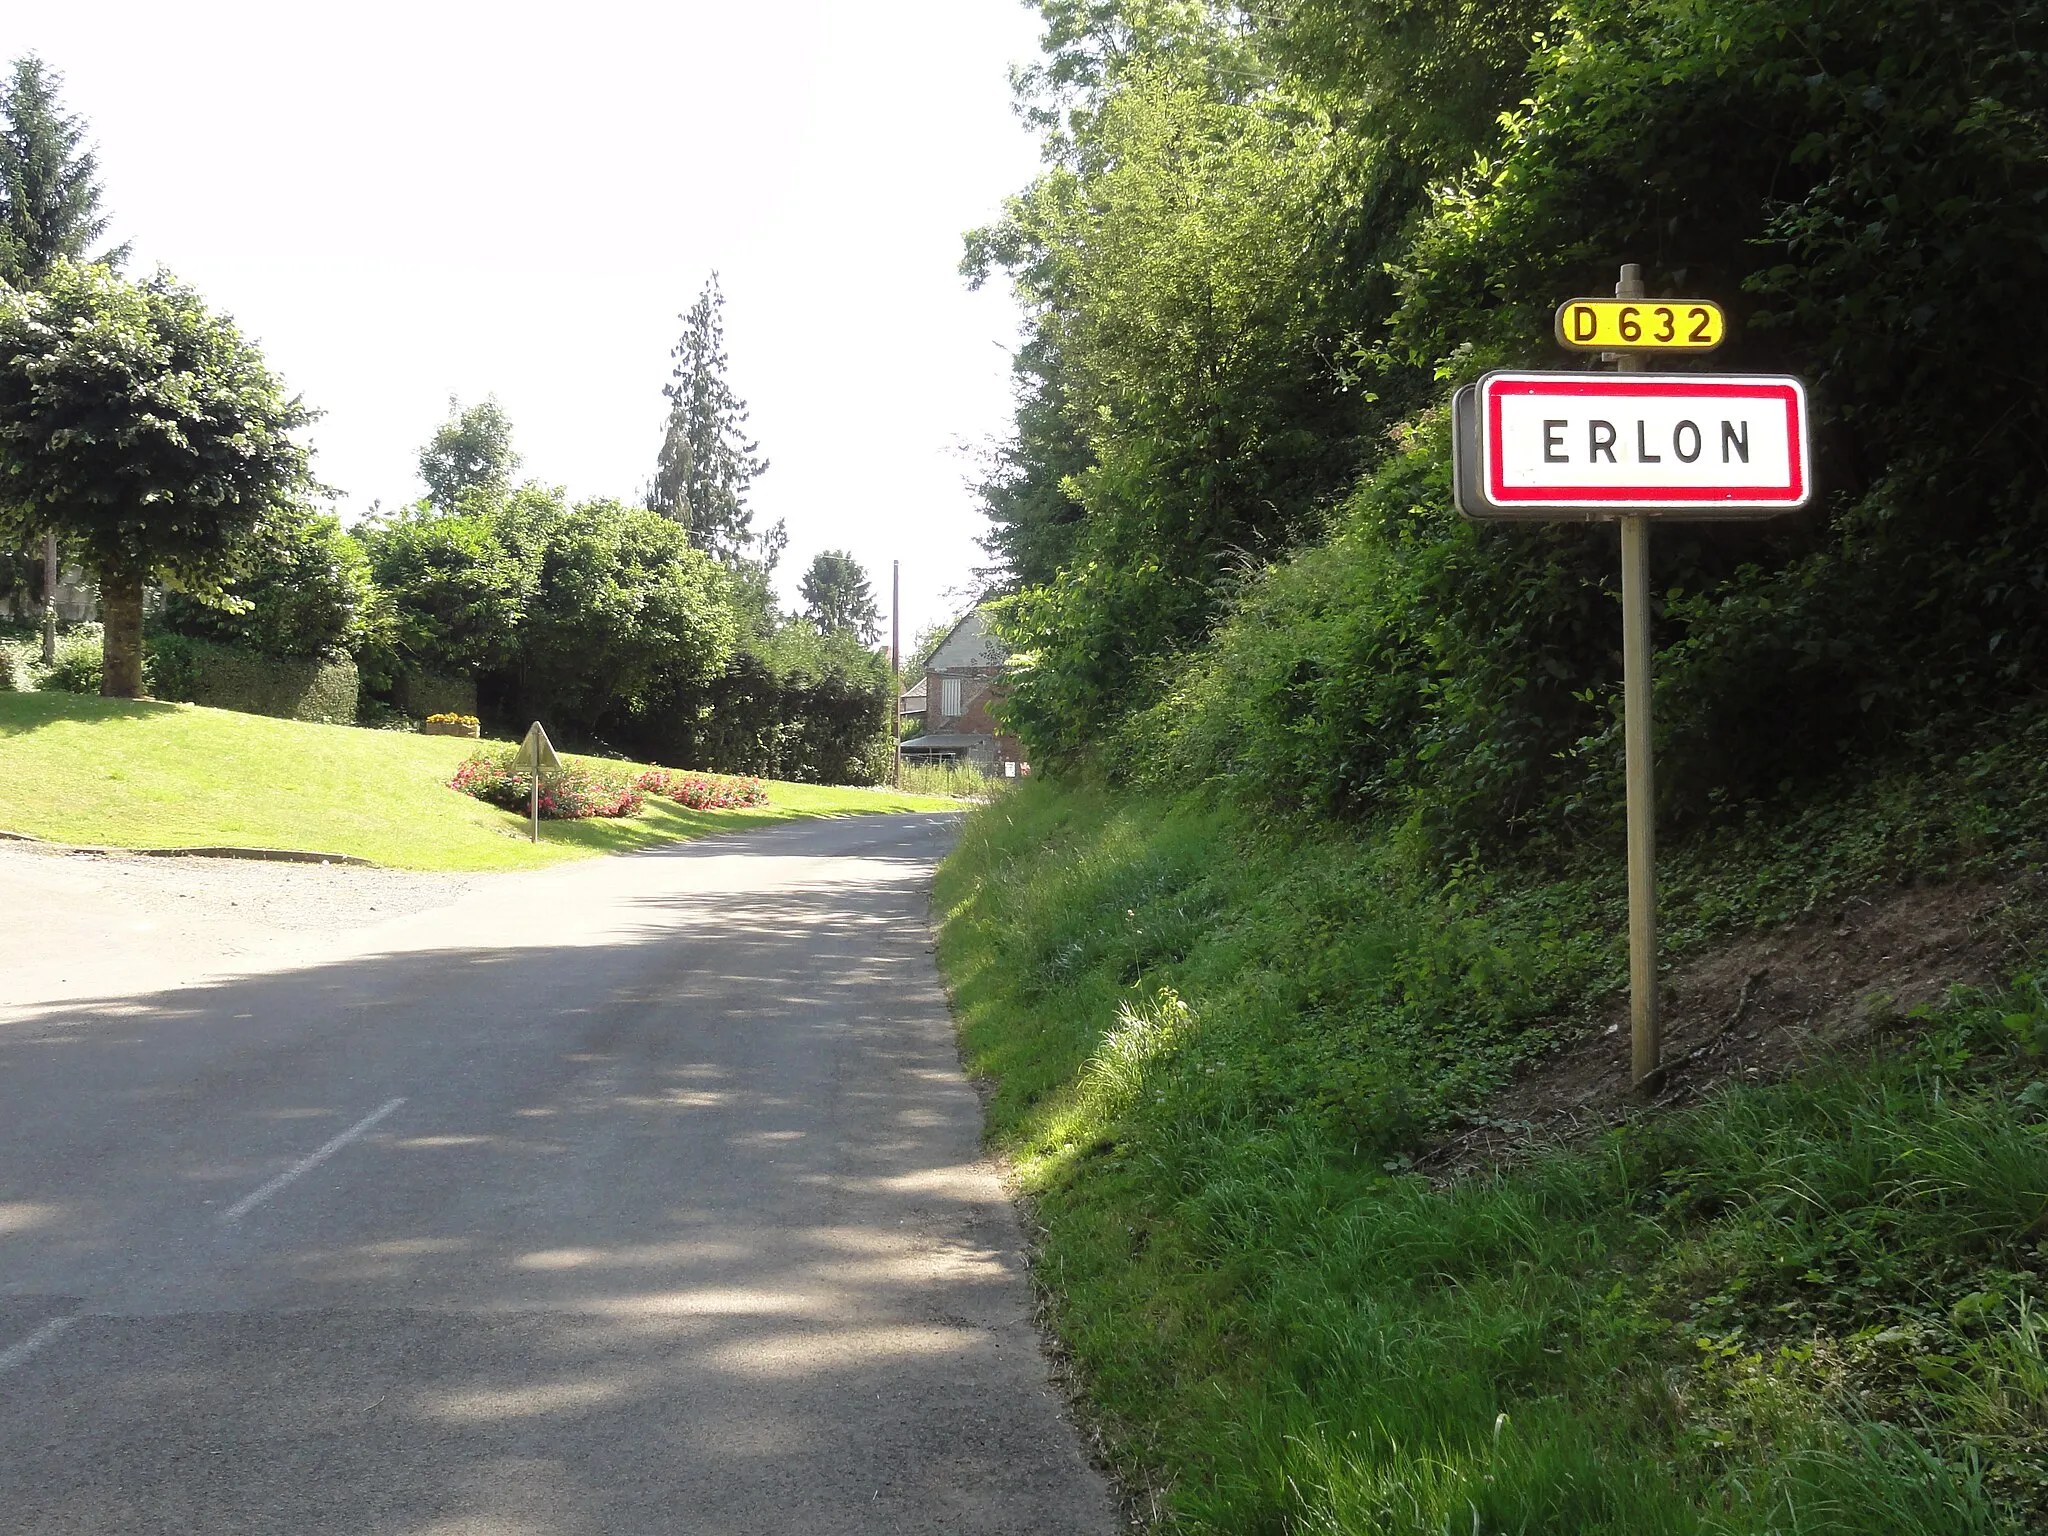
(79, 923)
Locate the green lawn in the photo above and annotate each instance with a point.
(110, 773)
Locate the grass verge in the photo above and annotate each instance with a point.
(111, 773)
(1806, 1307)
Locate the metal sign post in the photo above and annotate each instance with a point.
(538, 753)
(1586, 447)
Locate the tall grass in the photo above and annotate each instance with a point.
(956, 779)
(1805, 1307)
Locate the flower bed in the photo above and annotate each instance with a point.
(451, 725)
(576, 792)
(702, 791)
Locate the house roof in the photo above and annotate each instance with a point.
(915, 691)
(945, 741)
(968, 644)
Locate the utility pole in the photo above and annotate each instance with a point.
(896, 673)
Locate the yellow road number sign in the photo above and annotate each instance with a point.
(1640, 325)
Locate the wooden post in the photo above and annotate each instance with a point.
(1645, 1031)
(51, 574)
(533, 807)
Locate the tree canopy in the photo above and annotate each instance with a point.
(300, 588)
(837, 597)
(1270, 240)
(144, 428)
(470, 451)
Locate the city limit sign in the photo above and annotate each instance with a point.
(1550, 446)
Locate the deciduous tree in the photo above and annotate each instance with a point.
(301, 589)
(470, 451)
(145, 428)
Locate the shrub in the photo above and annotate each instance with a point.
(195, 671)
(702, 791)
(792, 705)
(301, 589)
(77, 668)
(419, 692)
(580, 614)
(579, 791)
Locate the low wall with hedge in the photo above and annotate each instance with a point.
(222, 677)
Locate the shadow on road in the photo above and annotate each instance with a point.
(685, 1230)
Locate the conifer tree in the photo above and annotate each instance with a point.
(49, 185)
(49, 208)
(837, 597)
(707, 461)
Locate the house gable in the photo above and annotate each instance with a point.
(968, 646)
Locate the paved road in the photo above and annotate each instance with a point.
(641, 1195)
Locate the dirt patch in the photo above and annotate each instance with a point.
(1756, 1008)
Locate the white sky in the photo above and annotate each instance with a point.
(403, 201)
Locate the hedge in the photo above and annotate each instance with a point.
(421, 693)
(222, 677)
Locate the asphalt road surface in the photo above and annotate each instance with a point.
(641, 1195)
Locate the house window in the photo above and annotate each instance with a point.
(949, 696)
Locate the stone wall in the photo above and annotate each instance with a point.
(78, 600)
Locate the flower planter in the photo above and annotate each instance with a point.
(448, 728)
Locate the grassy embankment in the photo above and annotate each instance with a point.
(1814, 1306)
(77, 769)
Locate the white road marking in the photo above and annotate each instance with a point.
(15, 1353)
(307, 1164)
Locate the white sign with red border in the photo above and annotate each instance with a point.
(1584, 445)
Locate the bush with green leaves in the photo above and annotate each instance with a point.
(621, 605)
(194, 671)
(1865, 189)
(456, 593)
(789, 704)
(577, 613)
(77, 667)
(301, 590)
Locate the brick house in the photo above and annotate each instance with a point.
(951, 703)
